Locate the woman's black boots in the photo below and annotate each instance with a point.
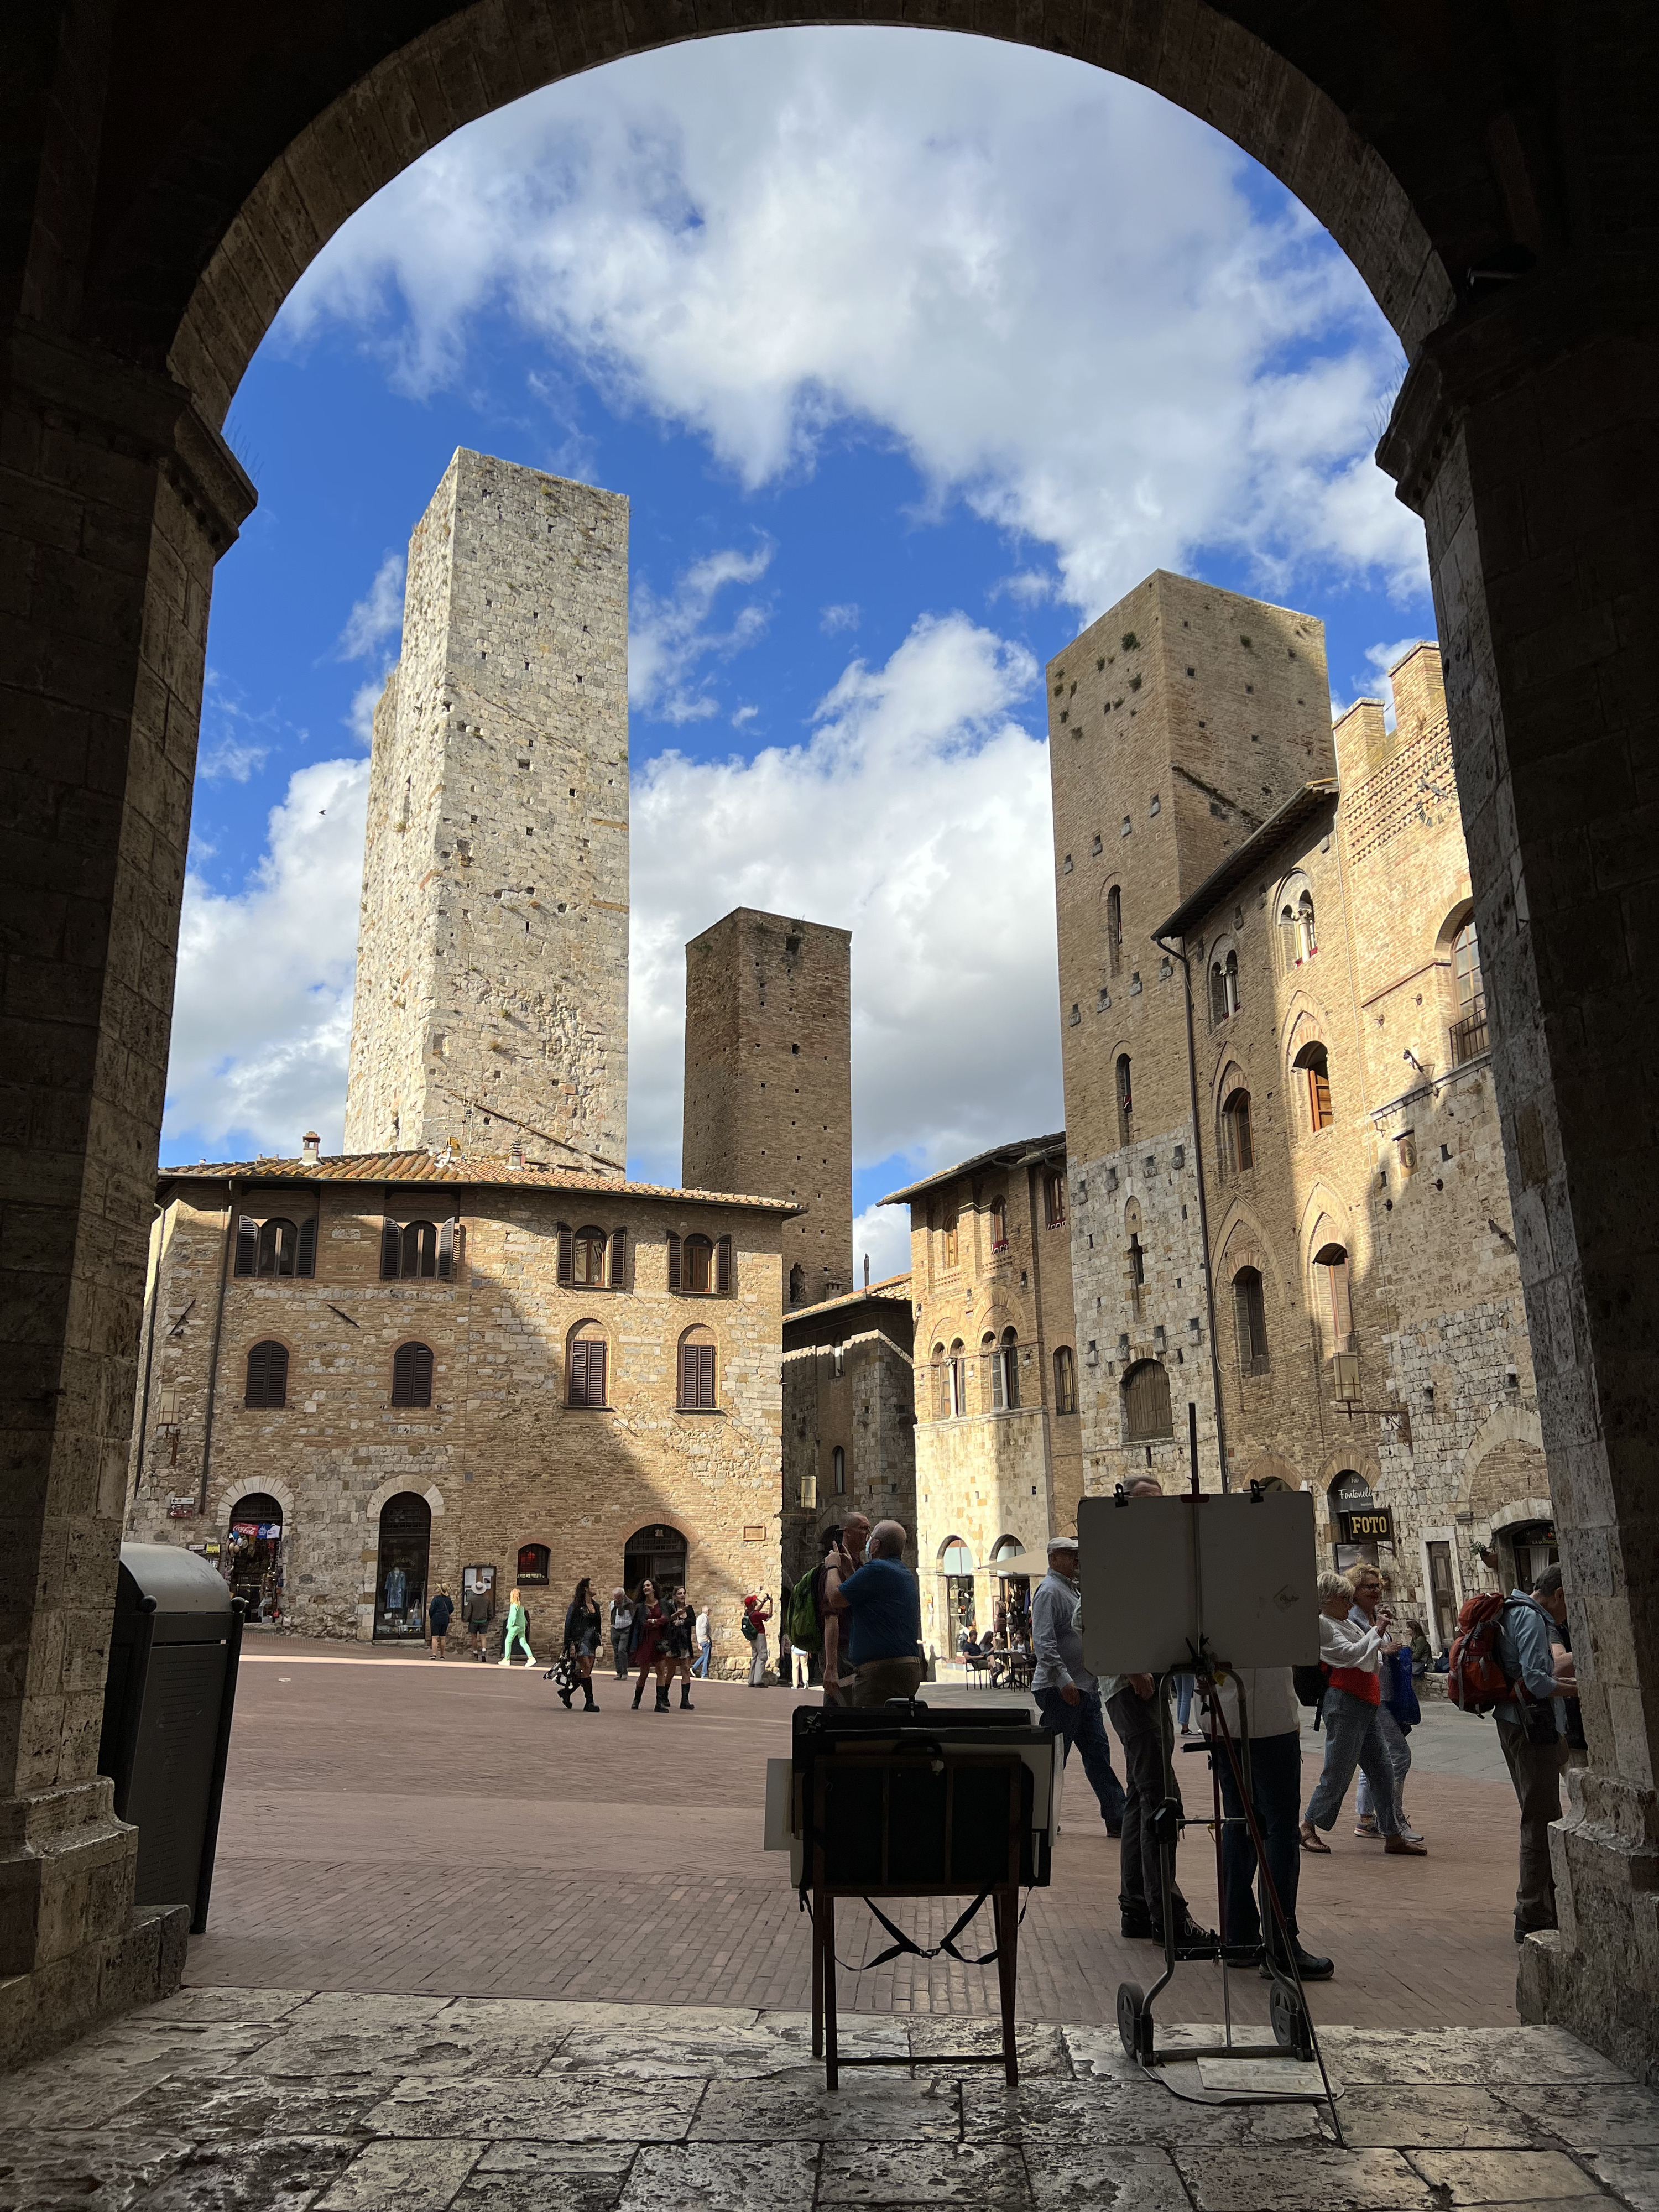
(662, 1698)
(639, 1692)
(590, 1703)
(686, 1705)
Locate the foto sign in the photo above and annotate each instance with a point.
(1374, 1525)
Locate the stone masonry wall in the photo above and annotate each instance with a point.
(768, 1082)
(856, 1395)
(492, 962)
(501, 1457)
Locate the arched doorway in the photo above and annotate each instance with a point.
(956, 1565)
(659, 1551)
(253, 1563)
(1013, 1592)
(400, 1573)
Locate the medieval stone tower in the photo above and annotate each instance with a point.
(492, 955)
(768, 1083)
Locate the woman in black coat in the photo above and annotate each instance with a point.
(581, 1642)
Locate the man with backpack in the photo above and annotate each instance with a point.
(1530, 1728)
(803, 1610)
(756, 1612)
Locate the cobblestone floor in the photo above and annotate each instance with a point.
(285, 2100)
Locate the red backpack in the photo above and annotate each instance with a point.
(1475, 1680)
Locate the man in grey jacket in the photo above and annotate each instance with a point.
(1068, 1694)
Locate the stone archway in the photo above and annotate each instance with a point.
(1491, 195)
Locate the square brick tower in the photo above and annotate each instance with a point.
(492, 953)
(768, 1083)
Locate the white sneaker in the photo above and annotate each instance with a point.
(529, 1658)
(503, 1662)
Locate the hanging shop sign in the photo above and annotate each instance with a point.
(1374, 1525)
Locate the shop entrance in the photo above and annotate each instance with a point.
(957, 1562)
(1531, 1546)
(400, 1574)
(658, 1553)
(252, 1564)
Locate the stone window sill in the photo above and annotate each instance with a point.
(719, 1411)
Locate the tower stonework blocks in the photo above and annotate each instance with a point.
(492, 958)
(768, 1083)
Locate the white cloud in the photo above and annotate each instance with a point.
(668, 638)
(846, 616)
(1379, 659)
(883, 1233)
(1067, 301)
(230, 759)
(262, 1016)
(918, 817)
(378, 616)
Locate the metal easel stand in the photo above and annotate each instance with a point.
(1295, 2039)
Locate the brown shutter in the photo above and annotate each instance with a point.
(307, 1261)
(619, 1259)
(248, 1245)
(705, 1374)
(673, 1261)
(687, 1374)
(564, 1254)
(579, 1373)
(724, 1279)
(596, 1361)
(267, 1375)
(391, 1252)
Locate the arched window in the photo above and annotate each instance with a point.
(952, 1242)
(276, 1247)
(1064, 1380)
(278, 1240)
(838, 1467)
(1297, 933)
(1223, 988)
(586, 1363)
(1250, 1321)
(959, 1380)
(1315, 1064)
(797, 1287)
(939, 1389)
(1238, 1149)
(267, 1375)
(697, 1371)
(418, 1249)
(1126, 1102)
(956, 1562)
(411, 1375)
(698, 1263)
(534, 1560)
(1054, 1198)
(1008, 1364)
(999, 1223)
(1136, 1277)
(1114, 929)
(587, 1259)
(1331, 1286)
(1469, 1035)
(1146, 1403)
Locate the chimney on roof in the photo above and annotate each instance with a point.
(515, 1155)
(308, 1145)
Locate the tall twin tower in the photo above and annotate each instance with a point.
(491, 1006)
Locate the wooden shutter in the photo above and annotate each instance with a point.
(267, 1375)
(1148, 1402)
(724, 1276)
(673, 1261)
(247, 1246)
(595, 1349)
(705, 1374)
(411, 1375)
(579, 1373)
(618, 1276)
(447, 1247)
(565, 1269)
(306, 1264)
(391, 1252)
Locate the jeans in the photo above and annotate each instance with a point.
(619, 1652)
(1184, 1688)
(1276, 1795)
(1535, 1771)
(705, 1653)
(1084, 1724)
(1353, 1737)
(1143, 1729)
(1399, 1761)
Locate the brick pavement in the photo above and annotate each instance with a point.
(392, 1824)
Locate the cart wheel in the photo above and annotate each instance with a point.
(1289, 2018)
(1133, 2027)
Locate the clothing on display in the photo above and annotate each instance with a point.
(394, 1590)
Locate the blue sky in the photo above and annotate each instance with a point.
(912, 353)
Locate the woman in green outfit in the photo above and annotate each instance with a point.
(517, 1626)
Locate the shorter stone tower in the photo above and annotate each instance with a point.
(768, 1083)
(492, 953)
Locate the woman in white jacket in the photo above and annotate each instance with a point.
(1353, 1733)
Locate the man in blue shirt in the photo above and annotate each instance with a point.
(1068, 1694)
(885, 1602)
(1533, 1739)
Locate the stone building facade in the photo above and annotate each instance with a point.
(768, 1082)
(998, 1465)
(849, 1422)
(463, 1365)
(1300, 1229)
(492, 951)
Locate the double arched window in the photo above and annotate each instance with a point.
(267, 1375)
(1250, 1321)
(1003, 1361)
(1064, 1380)
(1315, 1064)
(697, 1377)
(1298, 935)
(1223, 988)
(1238, 1149)
(277, 1246)
(587, 1363)
(1146, 1416)
(412, 1251)
(591, 1260)
(411, 1375)
(704, 1267)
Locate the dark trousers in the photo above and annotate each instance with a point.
(1535, 1771)
(1084, 1724)
(1144, 1730)
(1276, 1793)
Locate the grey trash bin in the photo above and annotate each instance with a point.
(167, 1704)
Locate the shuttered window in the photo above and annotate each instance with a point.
(1250, 1321)
(587, 1370)
(1146, 1403)
(278, 1242)
(618, 1277)
(697, 1263)
(726, 1269)
(697, 1377)
(411, 1375)
(673, 1261)
(306, 1262)
(588, 1258)
(566, 1245)
(267, 1376)
(247, 1246)
(391, 1248)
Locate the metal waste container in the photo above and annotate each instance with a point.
(168, 1703)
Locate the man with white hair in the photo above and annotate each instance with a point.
(884, 1602)
(1068, 1694)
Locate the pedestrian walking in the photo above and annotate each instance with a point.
(1068, 1694)
(1398, 1711)
(438, 1614)
(518, 1631)
(645, 1633)
(1351, 1658)
(621, 1619)
(705, 1645)
(477, 1621)
(756, 1612)
(680, 1641)
(884, 1602)
(1531, 1728)
(581, 1642)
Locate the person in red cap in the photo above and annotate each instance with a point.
(756, 1612)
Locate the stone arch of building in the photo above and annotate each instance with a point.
(1347, 1225)
(1356, 1452)
(1266, 1465)
(1506, 1454)
(1303, 1022)
(411, 1479)
(269, 1486)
